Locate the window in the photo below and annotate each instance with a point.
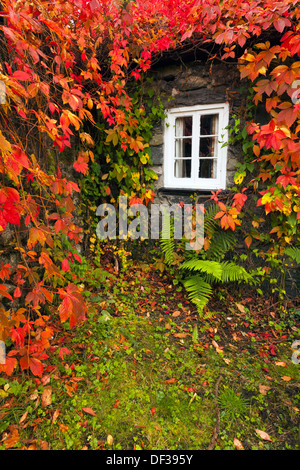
(193, 154)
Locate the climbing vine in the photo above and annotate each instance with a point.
(65, 69)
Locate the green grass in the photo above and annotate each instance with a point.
(140, 374)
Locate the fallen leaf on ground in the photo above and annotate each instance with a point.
(180, 335)
(263, 435)
(218, 349)
(12, 438)
(63, 427)
(280, 363)
(55, 415)
(23, 417)
(110, 440)
(238, 444)
(286, 378)
(176, 313)
(44, 445)
(263, 389)
(240, 307)
(46, 396)
(34, 395)
(170, 381)
(89, 411)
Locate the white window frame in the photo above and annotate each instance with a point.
(194, 182)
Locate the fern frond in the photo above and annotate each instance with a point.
(168, 243)
(199, 291)
(205, 266)
(293, 253)
(221, 243)
(168, 248)
(232, 272)
(210, 223)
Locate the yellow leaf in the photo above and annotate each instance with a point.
(4, 144)
(249, 57)
(110, 440)
(286, 378)
(262, 70)
(239, 178)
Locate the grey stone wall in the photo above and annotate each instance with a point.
(191, 84)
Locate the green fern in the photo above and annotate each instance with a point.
(202, 270)
(205, 266)
(232, 272)
(168, 243)
(199, 286)
(168, 248)
(293, 253)
(199, 291)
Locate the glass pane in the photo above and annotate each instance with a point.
(183, 148)
(208, 147)
(183, 126)
(209, 124)
(182, 168)
(208, 168)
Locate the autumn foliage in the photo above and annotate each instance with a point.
(64, 62)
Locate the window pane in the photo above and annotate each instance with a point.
(208, 168)
(208, 147)
(183, 126)
(182, 168)
(209, 124)
(183, 148)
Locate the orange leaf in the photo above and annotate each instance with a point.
(12, 438)
(89, 411)
(238, 444)
(176, 313)
(248, 241)
(180, 335)
(170, 381)
(286, 378)
(55, 415)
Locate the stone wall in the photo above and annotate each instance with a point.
(190, 84)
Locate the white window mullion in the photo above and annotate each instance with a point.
(195, 148)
